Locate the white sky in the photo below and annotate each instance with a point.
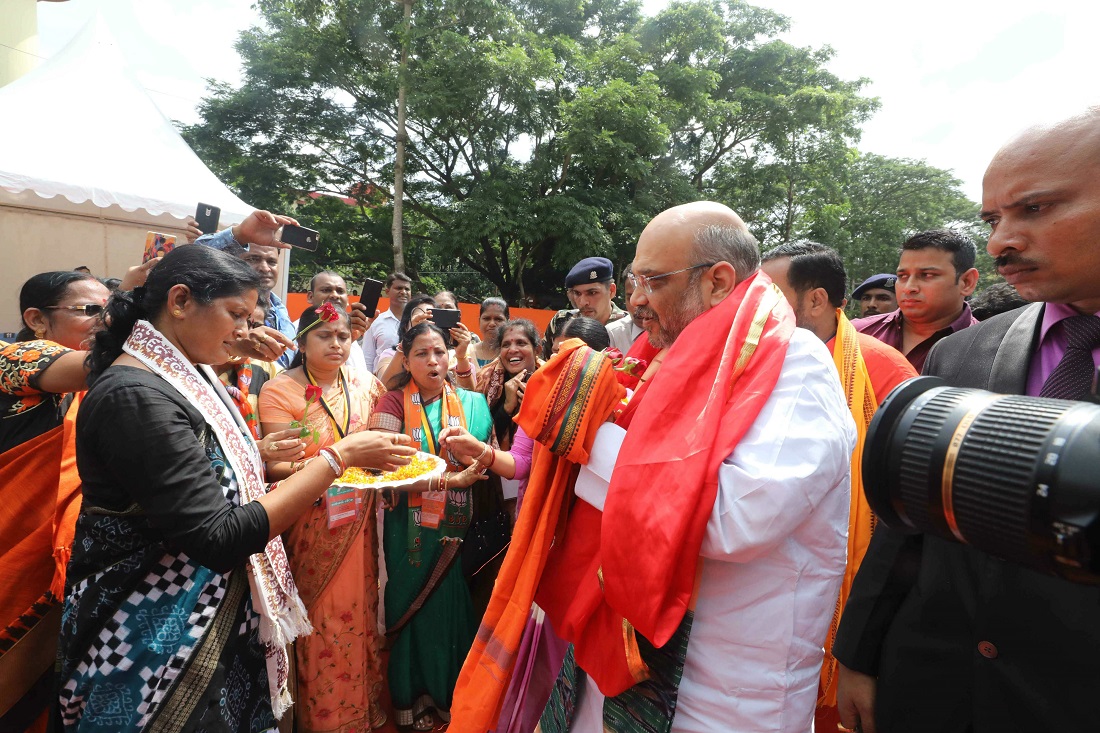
(956, 78)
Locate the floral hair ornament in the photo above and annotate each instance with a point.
(327, 313)
(629, 365)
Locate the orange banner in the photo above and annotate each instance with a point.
(296, 303)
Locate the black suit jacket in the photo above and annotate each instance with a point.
(923, 610)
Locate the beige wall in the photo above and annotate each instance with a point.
(34, 240)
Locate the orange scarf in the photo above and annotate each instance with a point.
(857, 387)
(601, 582)
(39, 501)
(565, 403)
(417, 426)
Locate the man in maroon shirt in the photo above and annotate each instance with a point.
(935, 274)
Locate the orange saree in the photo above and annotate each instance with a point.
(339, 665)
(39, 503)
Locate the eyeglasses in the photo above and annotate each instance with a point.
(643, 281)
(92, 309)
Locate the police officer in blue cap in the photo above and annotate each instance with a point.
(590, 286)
(876, 295)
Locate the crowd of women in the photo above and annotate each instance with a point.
(171, 531)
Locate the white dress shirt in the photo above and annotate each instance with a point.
(623, 333)
(382, 335)
(772, 558)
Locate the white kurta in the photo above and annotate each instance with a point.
(623, 333)
(773, 558)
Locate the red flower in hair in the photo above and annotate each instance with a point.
(328, 312)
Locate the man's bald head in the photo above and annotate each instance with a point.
(689, 259)
(1041, 196)
(709, 231)
(698, 213)
(1072, 142)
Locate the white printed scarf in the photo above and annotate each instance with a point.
(283, 616)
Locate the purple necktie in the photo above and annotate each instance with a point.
(1072, 378)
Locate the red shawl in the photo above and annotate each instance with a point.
(634, 565)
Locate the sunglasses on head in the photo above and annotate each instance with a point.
(91, 309)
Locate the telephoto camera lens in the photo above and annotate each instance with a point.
(1015, 476)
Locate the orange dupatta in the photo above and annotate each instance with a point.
(856, 383)
(417, 426)
(39, 502)
(565, 403)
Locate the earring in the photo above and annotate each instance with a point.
(39, 333)
(177, 313)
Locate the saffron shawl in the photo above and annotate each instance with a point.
(856, 383)
(566, 402)
(601, 584)
(458, 512)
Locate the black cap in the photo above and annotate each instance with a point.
(590, 270)
(884, 280)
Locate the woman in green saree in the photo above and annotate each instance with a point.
(427, 600)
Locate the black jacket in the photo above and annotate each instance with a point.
(960, 640)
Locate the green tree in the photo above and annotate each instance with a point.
(864, 205)
(885, 201)
(538, 131)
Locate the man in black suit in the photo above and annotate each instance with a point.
(941, 637)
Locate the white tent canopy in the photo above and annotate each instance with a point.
(88, 165)
(82, 127)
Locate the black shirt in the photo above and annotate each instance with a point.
(142, 448)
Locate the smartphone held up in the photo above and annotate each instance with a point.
(208, 217)
(157, 245)
(369, 295)
(299, 237)
(446, 318)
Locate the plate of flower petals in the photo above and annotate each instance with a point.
(422, 466)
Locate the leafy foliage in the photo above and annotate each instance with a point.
(543, 131)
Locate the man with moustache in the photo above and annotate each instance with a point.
(328, 286)
(382, 333)
(935, 275)
(731, 463)
(939, 636)
(253, 240)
